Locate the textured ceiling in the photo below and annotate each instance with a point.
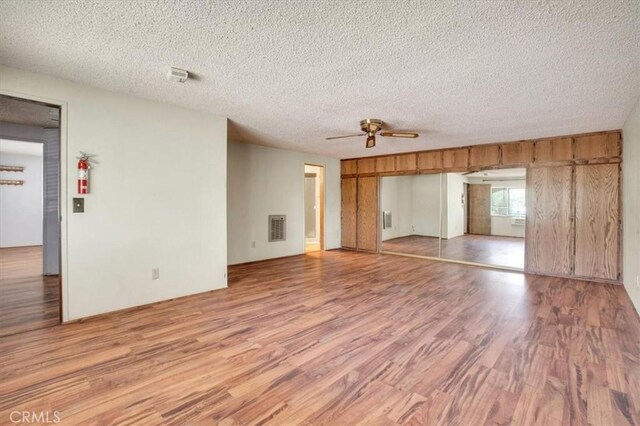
(19, 111)
(289, 73)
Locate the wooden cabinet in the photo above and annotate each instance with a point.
(597, 221)
(348, 216)
(348, 167)
(430, 160)
(385, 164)
(484, 156)
(455, 159)
(553, 150)
(549, 227)
(604, 145)
(517, 154)
(367, 226)
(366, 166)
(406, 162)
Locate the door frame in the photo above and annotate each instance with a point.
(321, 178)
(63, 197)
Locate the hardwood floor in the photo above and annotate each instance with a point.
(343, 338)
(28, 300)
(487, 249)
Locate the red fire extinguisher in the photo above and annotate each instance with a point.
(83, 173)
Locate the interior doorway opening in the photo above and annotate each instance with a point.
(30, 282)
(313, 208)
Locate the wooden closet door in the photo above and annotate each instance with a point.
(368, 213)
(479, 209)
(549, 226)
(597, 221)
(349, 191)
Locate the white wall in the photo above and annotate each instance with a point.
(453, 216)
(21, 206)
(157, 198)
(397, 198)
(426, 208)
(631, 205)
(264, 181)
(414, 203)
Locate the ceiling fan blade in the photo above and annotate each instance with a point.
(399, 134)
(345, 136)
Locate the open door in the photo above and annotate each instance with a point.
(313, 208)
(30, 282)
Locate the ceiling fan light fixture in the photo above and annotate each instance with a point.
(371, 141)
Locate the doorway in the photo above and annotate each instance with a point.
(30, 283)
(313, 208)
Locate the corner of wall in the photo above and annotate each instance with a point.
(631, 205)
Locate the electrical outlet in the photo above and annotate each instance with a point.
(638, 281)
(253, 244)
(155, 274)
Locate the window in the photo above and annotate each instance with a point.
(508, 202)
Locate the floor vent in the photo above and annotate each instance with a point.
(277, 227)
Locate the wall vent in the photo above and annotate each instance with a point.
(277, 227)
(518, 221)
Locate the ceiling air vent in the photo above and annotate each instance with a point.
(277, 227)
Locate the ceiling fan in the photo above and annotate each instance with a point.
(372, 126)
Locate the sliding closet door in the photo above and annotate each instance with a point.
(349, 212)
(597, 221)
(549, 226)
(367, 232)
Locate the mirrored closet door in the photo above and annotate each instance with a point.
(411, 216)
(474, 217)
(483, 217)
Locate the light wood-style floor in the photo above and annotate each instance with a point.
(486, 249)
(343, 338)
(28, 300)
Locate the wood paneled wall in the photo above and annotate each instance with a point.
(573, 197)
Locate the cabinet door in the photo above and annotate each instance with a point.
(385, 164)
(349, 167)
(367, 232)
(606, 145)
(430, 160)
(406, 163)
(553, 150)
(366, 165)
(484, 156)
(549, 226)
(455, 159)
(349, 210)
(597, 221)
(517, 154)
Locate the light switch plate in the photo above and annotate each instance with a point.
(78, 205)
